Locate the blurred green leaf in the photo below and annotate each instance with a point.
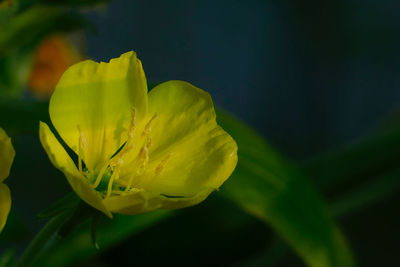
(75, 2)
(7, 9)
(369, 193)
(70, 201)
(269, 188)
(373, 191)
(7, 258)
(22, 116)
(79, 246)
(14, 71)
(14, 231)
(21, 33)
(347, 167)
(29, 28)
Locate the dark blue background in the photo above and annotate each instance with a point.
(309, 75)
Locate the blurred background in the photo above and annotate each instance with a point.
(308, 76)
(319, 80)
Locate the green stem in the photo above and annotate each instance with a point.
(41, 239)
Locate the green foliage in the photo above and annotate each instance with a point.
(357, 163)
(75, 2)
(78, 245)
(271, 189)
(70, 201)
(23, 29)
(27, 29)
(7, 258)
(25, 115)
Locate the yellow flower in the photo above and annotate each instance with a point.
(7, 154)
(137, 151)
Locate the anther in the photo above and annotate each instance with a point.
(143, 158)
(128, 146)
(133, 123)
(162, 164)
(81, 136)
(147, 128)
(144, 152)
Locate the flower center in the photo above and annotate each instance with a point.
(106, 180)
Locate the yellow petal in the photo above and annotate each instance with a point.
(141, 201)
(190, 153)
(62, 161)
(98, 98)
(178, 203)
(7, 154)
(5, 204)
(138, 201)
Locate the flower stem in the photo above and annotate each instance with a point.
(41, 239)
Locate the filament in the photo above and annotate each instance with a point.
(100, 175)
(110, 183)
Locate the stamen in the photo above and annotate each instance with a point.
(162, 164)
(147, 128)
(128, 146)
(133, 124)
(82, 145)
(101, 173)
(143, 158)
(114, 176)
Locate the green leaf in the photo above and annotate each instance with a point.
(265, 185)
(349, 166)
(7, 10)
(93, 229)
(382, 187)
(22, 116)
(78, 246)
(15, 230)
(14, 71)
(7, 258)
(75, 2)
(20, 35)
(70, 201)
(29, 28)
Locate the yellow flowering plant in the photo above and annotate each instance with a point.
(136, 151)
(7, 154)
(126, 150)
